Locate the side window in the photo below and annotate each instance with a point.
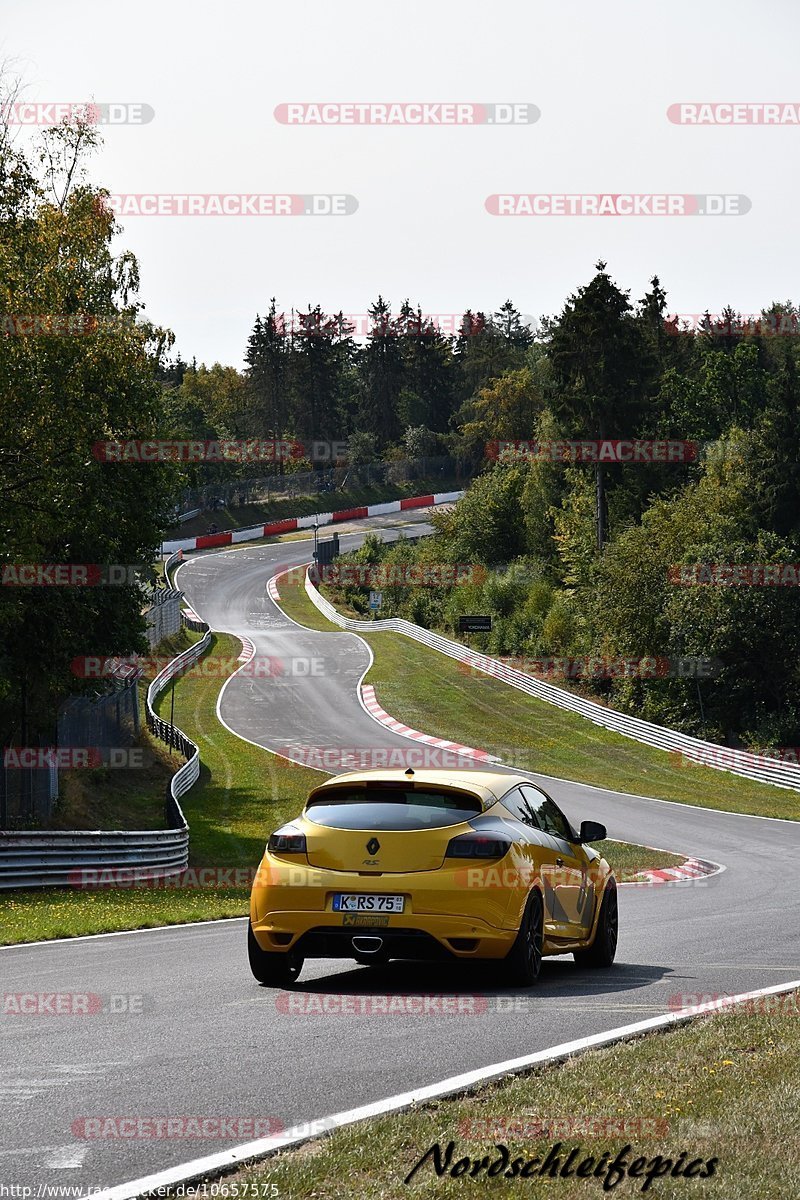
(549, 816)
(519, 806)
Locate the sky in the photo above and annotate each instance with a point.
(601, 75)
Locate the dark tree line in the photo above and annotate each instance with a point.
(583, 567)
(309, 376)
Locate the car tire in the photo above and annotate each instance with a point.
(273, 970)
(523, 962)
(603, 949)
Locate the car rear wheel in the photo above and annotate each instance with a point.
(274, 970)
(604, 947)
(524, 960)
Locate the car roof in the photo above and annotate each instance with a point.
(487, 786)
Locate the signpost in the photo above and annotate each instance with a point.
(474, 624)
(375, 600)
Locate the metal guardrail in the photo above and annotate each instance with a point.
(187, 775)
(174, 558)
(52, 858)
(708, 754)
(42, 858)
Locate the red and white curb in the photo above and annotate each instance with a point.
(209, 541)
(248, 649)
(690, 870)
(380, 715)
(685, 872)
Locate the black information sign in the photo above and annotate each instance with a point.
(474, 624)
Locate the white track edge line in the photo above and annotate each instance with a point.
(574, 782)
(624, 795)
(91, 937)
(498, 762)
(228, 1160)
(221, 693)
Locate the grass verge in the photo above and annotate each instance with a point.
(243, 794)
(131, 796)
(723, 1088)
(117, 797)
(435, 694)
(629, 860)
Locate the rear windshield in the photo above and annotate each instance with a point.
(391, 808)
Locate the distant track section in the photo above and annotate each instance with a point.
(209, 541)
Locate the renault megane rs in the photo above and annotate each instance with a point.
(431, 865)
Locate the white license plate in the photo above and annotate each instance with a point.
(359, 902)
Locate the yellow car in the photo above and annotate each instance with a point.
(431, 865)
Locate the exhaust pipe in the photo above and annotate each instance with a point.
(367, 945)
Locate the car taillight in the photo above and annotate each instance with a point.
(287, 843)
(478, 845)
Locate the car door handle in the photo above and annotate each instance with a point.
(559, 862)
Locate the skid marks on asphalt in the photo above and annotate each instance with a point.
(19, 1086)
(58, 1158)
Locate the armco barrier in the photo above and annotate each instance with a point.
(48, 858)
(233, 537)
(41, 858)
(709, 754)
(174, 558)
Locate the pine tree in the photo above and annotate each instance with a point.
(381, 375)
(267, 365)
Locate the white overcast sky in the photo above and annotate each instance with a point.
(603, 75)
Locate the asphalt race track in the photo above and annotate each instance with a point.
(210, 1042)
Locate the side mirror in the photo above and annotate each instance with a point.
(592, 831)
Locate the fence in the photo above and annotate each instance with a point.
(163, 616)
(101, 722)
(751, 766)
(264, 488)
(27, 795)
(96, 724)
(42, 858)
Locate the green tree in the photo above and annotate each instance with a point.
(427, 393)
(597, 355)
(381, 375)
(267, 368)
(486, 346)
(574, 529)
(485, 526)
(362, 449)
(322, 352)
(507, 408)
(63, 389)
